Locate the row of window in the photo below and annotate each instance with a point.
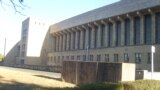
(126, 57)
(107, 38)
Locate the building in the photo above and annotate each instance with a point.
(27, 51)
(121, 32)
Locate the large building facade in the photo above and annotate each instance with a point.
(121, 32)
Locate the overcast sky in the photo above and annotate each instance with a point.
(50, 10)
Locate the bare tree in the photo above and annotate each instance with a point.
(17, 5)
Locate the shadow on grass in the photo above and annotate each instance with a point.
(13, 85)
(59, 79)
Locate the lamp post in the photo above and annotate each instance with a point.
(152, 60)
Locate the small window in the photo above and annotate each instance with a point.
(126, 57)
(58, 59)
(148, 58)
(84, 57)
(138, 58)
(91, 57)
(98, 57)
(54, 59)
(115, 57)
(78, 57)
(72, 57)
(67, 57)
(62, 58)
(106, 57)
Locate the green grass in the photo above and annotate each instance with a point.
(137, 85)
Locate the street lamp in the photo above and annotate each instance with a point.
(152, 60)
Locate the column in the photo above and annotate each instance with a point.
(64, 42)
(93, 38)
(77, 40)
(57, 43)
(122, 32)
(132, 31)
(142, 29)
(60, 43)
(153, 28)
(114, 34)
(54, 43)
(82, 39)
(68, 41)
(86, 38)
(71, 42)
(105, 37)
(99, 35)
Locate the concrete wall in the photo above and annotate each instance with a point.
(145, 75)
(11, 57)
(90, 72)
(33, 61)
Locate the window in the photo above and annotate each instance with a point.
(58, 59)
(148, 58)
(127, 32)
(62, 58)
(78, 57)
(67, 57)
(90, 36)
(98, 57)
(110, 32)
(106, 57)
(55, 59)
(158, 28)
(126, 57)
(84, 57)
(91, 57)
(137, 31)
(148, 30)
(118, 33)
(138, 58)
(72, 57)
(115, 57)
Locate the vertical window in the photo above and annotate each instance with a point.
(106, 57)
(148, 30)
(127, 32)
(126, 57)
(138, 58)
(115, 57)
(98, 57)
(102, 35)
(84, 57)
(137, 31)
(78, 57)
(118, 33)
(158, 28)
(91, 57)
(72, 57)
(148, 58)
(110, 33)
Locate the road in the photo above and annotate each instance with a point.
(40, 78)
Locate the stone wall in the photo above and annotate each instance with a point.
(90, 72)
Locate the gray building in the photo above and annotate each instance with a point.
(121, 32)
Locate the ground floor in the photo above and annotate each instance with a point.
(140, 55)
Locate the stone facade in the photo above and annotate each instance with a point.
(120, 32)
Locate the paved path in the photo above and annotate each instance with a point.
(40, 78)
